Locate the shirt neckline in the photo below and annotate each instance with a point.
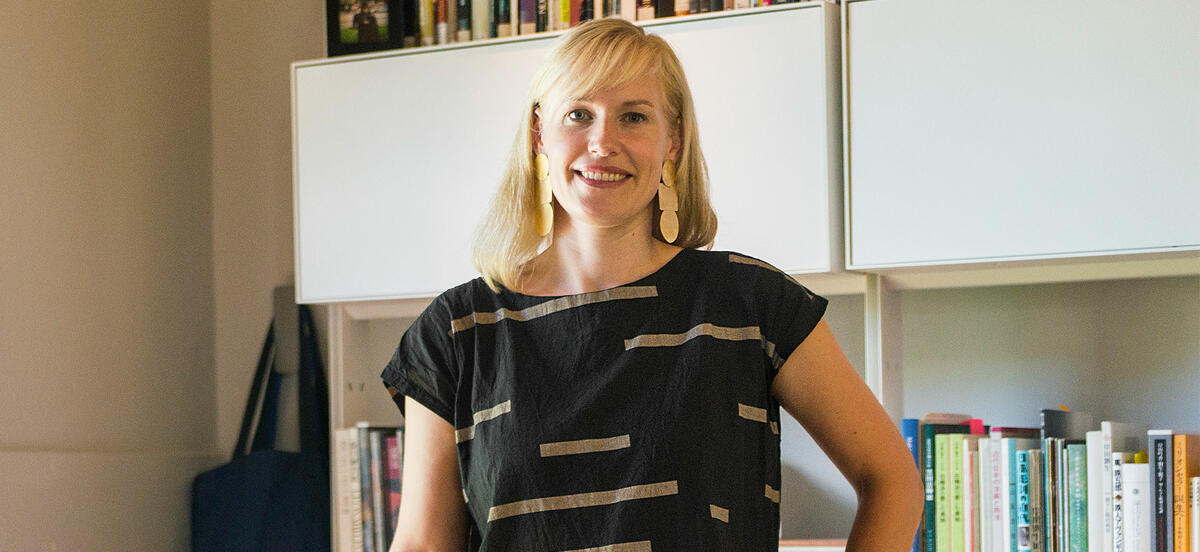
(662, 269)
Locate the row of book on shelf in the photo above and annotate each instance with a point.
(430, 22)
(367, 467)
(1070, 485)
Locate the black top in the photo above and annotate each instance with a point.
(637, 418)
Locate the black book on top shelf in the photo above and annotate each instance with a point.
(463, 15)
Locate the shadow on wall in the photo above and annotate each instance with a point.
(816, 500)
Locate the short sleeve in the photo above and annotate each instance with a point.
(788, 311)
(425, 366)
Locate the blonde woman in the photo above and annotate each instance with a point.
(608, 383)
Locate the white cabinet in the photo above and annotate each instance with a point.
(982, 130)
(397, 154)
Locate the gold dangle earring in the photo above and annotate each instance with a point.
(544, 216)
(668, 202)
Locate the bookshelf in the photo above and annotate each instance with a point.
(970, 323)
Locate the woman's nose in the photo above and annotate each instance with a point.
(602, 140)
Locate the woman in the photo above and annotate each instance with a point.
(606, 385)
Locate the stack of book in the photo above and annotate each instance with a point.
(1069, 485)
(367, 467)
(430, 22)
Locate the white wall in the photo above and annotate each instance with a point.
(106, 341)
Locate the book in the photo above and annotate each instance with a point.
(1037, 518)
(985, 494)
(503, 18)
(441, 18)
(1008, 473)
(348, 502)
(463, 11)
(1194, 519)
(411, 23)
(452, 20)
(425, 21)
(645, 9)
(928, 433)
(1078, 498)
(1161, 446)
(941, 493)
(955, 492)
(1064, 424)
(910, 430)
(394, 463)
(970, 496)
(481, 14)
(1024, 529)
(1136, 483)
(1186, 464)
(628, 9)
(1118, 515)
(378, 506)
(1115, 436)
(528, 18)
(367, 494)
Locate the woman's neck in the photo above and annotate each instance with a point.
(585, 259)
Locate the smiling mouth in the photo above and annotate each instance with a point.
(601, 179)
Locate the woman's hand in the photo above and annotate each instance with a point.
(821, 389)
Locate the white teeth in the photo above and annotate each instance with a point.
(607, 177)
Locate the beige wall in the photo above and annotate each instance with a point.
(106, 287)
(253, 45)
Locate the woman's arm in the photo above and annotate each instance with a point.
(819, 387)
(433, 515)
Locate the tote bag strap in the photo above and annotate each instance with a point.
(266, 360)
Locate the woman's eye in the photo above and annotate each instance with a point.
(635, 117)
(578, 115)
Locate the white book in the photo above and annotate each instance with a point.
(985, 494)
(1135, 480)
(1095, 508)
(628, 9)
(1118, 513)
(349, 491)
(481, 19)
(999, 538)
(1114, 436)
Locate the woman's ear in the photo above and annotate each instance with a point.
(676, 141)
(535, 126)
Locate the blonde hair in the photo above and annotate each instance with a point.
(598, 54)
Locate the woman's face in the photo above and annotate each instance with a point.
(606, 152)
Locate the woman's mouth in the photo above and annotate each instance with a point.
(601, 179)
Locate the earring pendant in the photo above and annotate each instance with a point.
(668, 203)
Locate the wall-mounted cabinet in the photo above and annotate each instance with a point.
(983, 131)
(397, 154)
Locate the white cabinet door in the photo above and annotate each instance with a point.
(397, 155)
(983, 130)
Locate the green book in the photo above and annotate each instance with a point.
(957, 532)
(1077, 497)
(941, 491)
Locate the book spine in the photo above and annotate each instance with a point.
(392, 492)
(628, 9)
(364, 483)
(909, 429)
(1194, 500)
(645, 9)
(452, 20)
(503, 18)
(1100, 510)
(543, 15)
(1037, 517)
(442, 27)
(1118, 515)
(349, 500)
(463, 7)
(377, 481)
(1077, 476)
(1023, 520)
(529, 16)
(425, 14)
(1179, 480)
(955, 492)
(970, 500)
(941, 492)
(1161, 538)
(683, 7)
(985, 494)
(1138, 507)
(999, 535)
(930, 495)
(411, 23)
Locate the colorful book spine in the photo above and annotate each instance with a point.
(910, 430)
(1161, 489)
(1023, 514)
(529, 16)
(1077, 480)
(645, 9)
(1186, 459)
(928, 432)
(442, 26)
(503, 18)
(364, 471)
(1118, 515)
(463, 7)
(394, 469)
(941, 492)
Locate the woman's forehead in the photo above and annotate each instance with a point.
(642, 89)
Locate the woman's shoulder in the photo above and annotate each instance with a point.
(733, 261)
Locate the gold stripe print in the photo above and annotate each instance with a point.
(583, 446)
(772, 494)
(755, 262)
(757, 414)
(550, 307)
(674, 340)
(640, 546)
(582, 500)
(719, 512)
(468, 433)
